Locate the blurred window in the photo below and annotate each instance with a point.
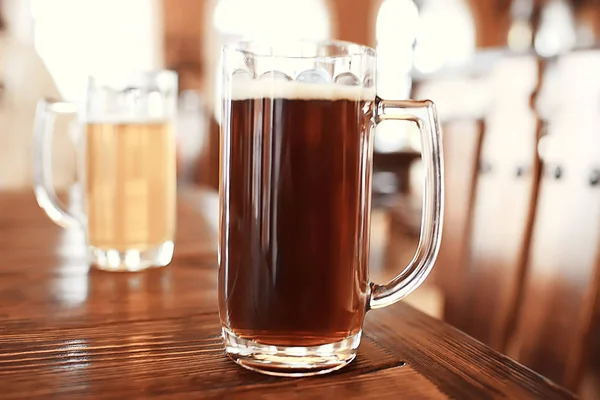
(446, 35)
(307, 19)
(556, 33)
(77, 38)
(396, 29)
(283, 19)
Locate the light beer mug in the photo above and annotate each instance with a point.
(127, 168)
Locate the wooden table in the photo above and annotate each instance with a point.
(70, 332)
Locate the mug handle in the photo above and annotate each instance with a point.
(43, 132)
(423, 113)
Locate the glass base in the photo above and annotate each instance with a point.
(131, 260)
(290, 361)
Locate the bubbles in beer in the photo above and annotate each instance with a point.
(347, 78)
(317, 75)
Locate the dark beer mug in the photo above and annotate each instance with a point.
(295, 192)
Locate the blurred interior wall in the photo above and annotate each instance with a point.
(25, 79)
(184, 25)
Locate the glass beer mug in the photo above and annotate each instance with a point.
(127, 168)
(295, 189)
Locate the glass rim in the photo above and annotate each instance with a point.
(343, 49)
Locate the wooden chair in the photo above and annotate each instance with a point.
(561, 290)
(488, 286)
(529, 282)
(462, 131)
(462, 127)
(462, 144)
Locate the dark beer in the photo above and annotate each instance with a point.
(295, 214)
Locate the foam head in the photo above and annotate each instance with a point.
(294, 90)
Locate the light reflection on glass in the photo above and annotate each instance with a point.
(71, 288)
(71, 244)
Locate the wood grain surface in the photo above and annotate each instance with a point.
(68, 331)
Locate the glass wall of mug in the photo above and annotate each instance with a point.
(127, 169)
(295, 190)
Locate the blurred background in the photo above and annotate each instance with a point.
(517, 84)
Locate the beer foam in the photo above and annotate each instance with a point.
(293, 90)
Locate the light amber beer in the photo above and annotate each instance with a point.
(130, 185)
